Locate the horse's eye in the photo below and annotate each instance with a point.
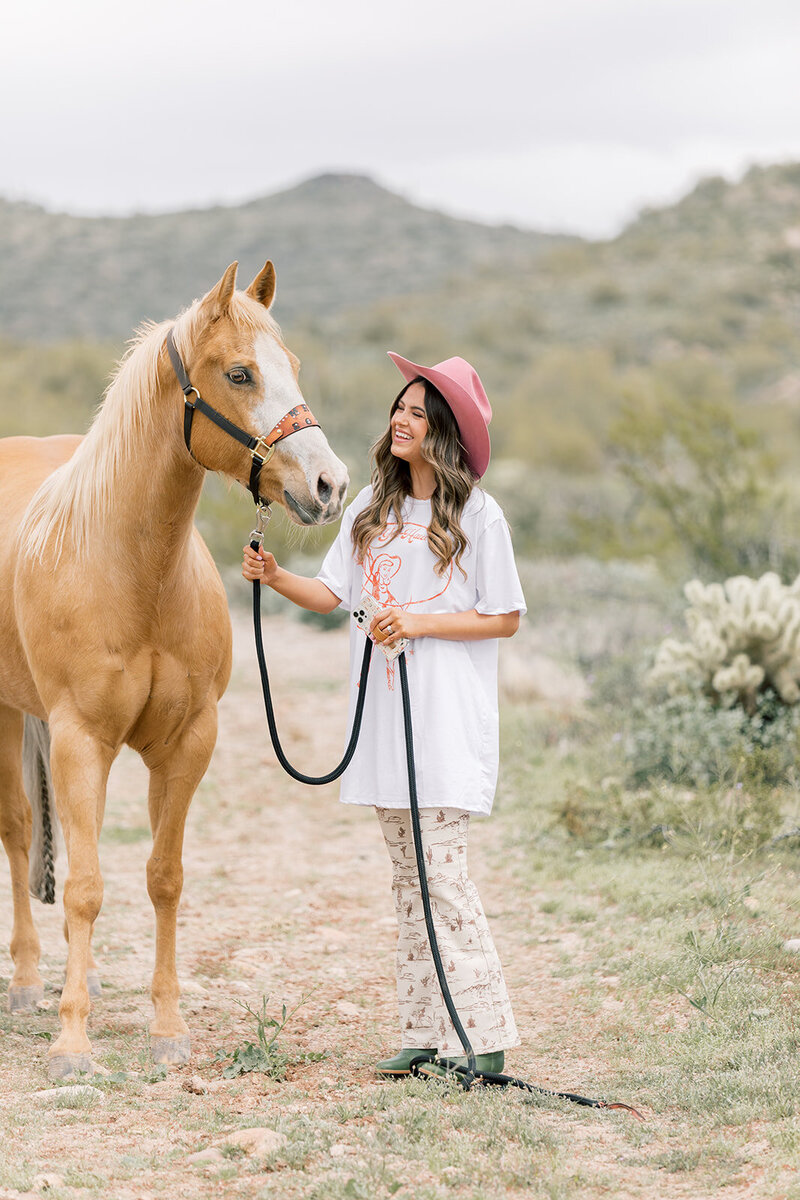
(238, 375)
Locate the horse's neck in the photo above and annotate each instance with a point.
(146, 483)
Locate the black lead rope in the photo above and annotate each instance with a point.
(469, 1075)
(314, 780)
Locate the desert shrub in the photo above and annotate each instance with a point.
(715, 816)
(687, 739)
(697, 471)
(51, 389)
(557, 412)
(731, 712)
(606, 293)
(744, 637)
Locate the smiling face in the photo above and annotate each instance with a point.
(409, 425)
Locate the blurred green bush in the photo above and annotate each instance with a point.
(688, 740)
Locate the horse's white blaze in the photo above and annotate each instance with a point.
(308, 449)
(281, 391)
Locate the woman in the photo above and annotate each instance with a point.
(434, 550)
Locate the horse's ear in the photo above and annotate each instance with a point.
(262, 288)
(218, 300)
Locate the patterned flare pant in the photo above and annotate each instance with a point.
(473, 969)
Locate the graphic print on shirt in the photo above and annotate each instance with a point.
(380, 572)
(381, 568)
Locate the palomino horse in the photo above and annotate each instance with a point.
(114, 626)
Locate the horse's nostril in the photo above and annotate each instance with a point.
(324, 490)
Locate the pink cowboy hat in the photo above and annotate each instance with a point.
(462, 389)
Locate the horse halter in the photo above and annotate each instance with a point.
(261, 448)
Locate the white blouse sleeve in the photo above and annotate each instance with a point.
(497, 581)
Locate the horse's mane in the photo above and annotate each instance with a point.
(76, 496)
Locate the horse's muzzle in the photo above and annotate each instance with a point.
(317, 512)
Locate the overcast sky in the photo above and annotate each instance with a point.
(565, 114)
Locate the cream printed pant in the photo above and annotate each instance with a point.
(473, 969)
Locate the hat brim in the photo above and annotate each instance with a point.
(471, 424)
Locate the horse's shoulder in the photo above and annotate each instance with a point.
(49, 451)
(204, 560)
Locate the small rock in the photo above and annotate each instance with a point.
(339, 1150)
(71, 1092)
(190, 987)
(240, 986)
(195, 1085)
(44, 1005)
(346, 1009)
(257, 1141)
(161, 1086)
(43, 1183)
(792, 945)
(210, 1155)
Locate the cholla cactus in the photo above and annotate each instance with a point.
(744, 636)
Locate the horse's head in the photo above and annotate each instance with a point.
(237, 361)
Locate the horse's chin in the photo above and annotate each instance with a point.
(309, 513)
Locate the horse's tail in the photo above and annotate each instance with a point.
(39, 788)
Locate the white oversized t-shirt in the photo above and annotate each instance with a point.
(453, 685)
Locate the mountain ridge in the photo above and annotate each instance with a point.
(151, 265)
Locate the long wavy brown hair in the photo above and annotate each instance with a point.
(391, 484)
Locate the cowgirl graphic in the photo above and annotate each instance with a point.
(379, 574)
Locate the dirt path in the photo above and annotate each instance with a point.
(287, 892)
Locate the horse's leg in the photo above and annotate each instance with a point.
(25, 989)
(93, 983)
(80, 764)
(173, 781)
(92, 970)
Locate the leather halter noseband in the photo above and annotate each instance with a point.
(261, 448)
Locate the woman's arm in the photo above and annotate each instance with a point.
(305, 593)
(469, 626)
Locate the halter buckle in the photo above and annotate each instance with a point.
(263, 450)
(186, 400)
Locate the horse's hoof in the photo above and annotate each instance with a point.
(93, 984)
(66, 1066)
(23, 999)
(171, 1050)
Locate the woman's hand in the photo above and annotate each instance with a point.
(259, 564)
(394, 623)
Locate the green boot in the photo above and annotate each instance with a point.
(493, 1063)
(401, 1063)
